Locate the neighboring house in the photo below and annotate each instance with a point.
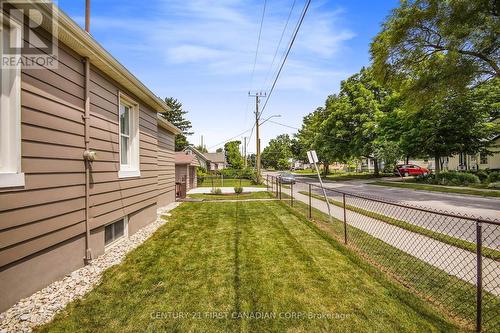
(217, 161)
(58, 211)
(479, 161)
(186, 164)
(202, 159)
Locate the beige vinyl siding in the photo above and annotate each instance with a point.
(166, 167)
(50, 208)
(111, 197)
(42, 225)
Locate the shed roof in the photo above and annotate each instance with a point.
(182, 157)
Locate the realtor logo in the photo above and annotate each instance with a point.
(28, 34)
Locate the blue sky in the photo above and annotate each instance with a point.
(202, 53)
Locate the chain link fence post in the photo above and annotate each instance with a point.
(267, 183)
(479, 282)
(291, 194)
(279, 182)
(310, 203)
(345, 219)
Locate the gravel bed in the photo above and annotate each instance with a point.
(43, 305)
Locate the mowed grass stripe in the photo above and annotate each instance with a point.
(245, 257)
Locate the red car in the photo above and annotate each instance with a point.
(405, 170)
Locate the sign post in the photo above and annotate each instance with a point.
(313, 158)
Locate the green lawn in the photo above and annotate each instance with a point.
(454, 296)
(218, 267)
(439, 188)
(245, 196)
(229, 182)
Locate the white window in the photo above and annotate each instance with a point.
(115, 231)
(10, 106)
(129, 137)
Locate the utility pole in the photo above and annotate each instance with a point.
(87, 16)
(245, 150)
(257, 96)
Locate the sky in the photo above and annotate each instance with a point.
(203, 53)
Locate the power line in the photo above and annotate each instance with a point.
(232, 138)
(258, 43)
(279, 43)
(275, 122)
(256, 54)
(297, 28)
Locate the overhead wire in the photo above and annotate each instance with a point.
(279, 43)
(292, 41)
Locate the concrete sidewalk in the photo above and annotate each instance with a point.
(453, 260)
(206, 190)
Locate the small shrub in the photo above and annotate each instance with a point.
(456, 178)
(494, 177)
(495, 185)
(216, 191)
(238, 190)
(429, 179)
(256, 180)
(482, 175)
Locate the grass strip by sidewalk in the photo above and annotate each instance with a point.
(245, 196)
(221, 267)
(460, 243)
(439, 188)
(448, 293)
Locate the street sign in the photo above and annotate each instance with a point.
(311, 155)
(313, 159)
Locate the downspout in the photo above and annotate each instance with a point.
(88, 157)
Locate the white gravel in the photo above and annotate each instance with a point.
(43, 305)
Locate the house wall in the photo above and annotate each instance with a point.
(473, 161)
(166, 167)
(42, 225)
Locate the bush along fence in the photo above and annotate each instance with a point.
(225, 181)
(451, 260)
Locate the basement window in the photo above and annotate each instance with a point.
(129, 137)
(114, 231)
(10, 106)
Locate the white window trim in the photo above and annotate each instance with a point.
(132, 170)
(11, 115)
(122, 238)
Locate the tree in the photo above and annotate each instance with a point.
(201, 149)
(177, 117)
(278, 152)
(219, 150)
(351, 126)
(459, 123)
(310, 137)
(427, 47)
(233, 155)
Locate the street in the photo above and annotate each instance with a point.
(488, 208)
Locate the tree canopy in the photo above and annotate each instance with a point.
(233, 155)
(427, 47)
(177, 116)
(278, 153)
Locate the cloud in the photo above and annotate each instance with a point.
(219, 39)
(193, 53)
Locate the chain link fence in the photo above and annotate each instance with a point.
(449, 259)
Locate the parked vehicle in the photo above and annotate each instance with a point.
(286, 178)
(405, 170)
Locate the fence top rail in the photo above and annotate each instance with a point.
(404, 205)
